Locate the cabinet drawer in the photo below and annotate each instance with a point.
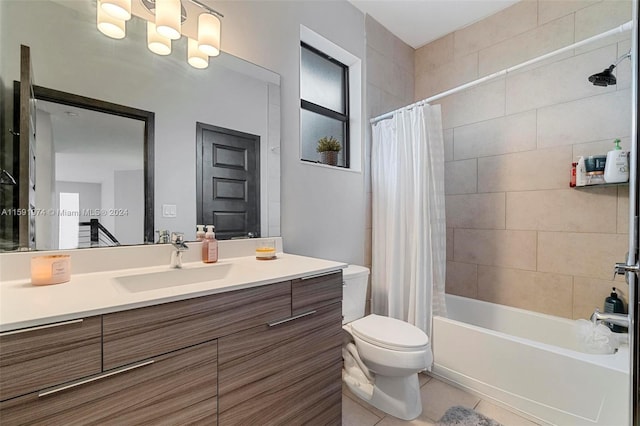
(310, 293)
(39, 357)
(286, 374)
(176, 388)
(134, 335)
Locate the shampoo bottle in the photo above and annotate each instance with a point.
(614, 305)
(210, 246)
(616, 169)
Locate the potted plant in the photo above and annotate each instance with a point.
(328, 147)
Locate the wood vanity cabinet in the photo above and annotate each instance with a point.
(287, 372)
(137, 334)
(314, 291)
(177, 388)
(263, 355)
(38, 357)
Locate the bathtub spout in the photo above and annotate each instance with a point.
(617, 319)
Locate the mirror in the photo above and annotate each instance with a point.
(69, 54)
(95, 155)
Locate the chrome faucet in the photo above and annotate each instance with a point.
(617, 319)
(177, 240)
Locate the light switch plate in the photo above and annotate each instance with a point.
(169, 210)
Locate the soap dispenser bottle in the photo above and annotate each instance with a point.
(614, 305)
(210, 246)
(200, 234)
(616, 168)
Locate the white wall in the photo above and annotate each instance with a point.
(128, 194)
(322, 209)
(46, 225)
(90, 198)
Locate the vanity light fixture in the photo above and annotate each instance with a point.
(156, 42)
(119, 9)
(209, 34)
(108, 24)
(196, 57)
(169, 16)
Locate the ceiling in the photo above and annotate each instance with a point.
(418, 22)
(89, 145)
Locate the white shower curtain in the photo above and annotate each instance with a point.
(409, 231)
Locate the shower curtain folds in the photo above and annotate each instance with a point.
(409, 231)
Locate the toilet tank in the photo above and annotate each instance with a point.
(354, 292)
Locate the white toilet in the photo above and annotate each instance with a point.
(382, 366)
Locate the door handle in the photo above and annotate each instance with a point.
(91, 379)
(293, 318)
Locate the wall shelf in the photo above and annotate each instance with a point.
(600, 185)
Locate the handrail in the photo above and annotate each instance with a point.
(96, 227)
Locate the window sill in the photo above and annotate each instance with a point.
(326, 166)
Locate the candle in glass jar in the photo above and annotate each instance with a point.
(53, 269)
(266, 249)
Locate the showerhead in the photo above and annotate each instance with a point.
(604, 78)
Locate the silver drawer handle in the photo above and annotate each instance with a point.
(41, 327)
(295, 317)
(93, 379)
(323, 274)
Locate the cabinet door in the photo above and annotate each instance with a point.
(175, 389)
(289, 373)
(315, 291)
(134, 335)
(34, 358)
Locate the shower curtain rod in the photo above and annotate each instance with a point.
(620, 29)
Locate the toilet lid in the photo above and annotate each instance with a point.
(389, 333)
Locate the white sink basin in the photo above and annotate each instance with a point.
(172, 278)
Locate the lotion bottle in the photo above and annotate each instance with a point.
(210, 246)
(616, 169)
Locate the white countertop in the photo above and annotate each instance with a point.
(25, 305)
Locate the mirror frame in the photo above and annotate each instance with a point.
(148, 117)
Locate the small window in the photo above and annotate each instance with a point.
(324, 104)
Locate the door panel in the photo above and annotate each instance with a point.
(26, 148)
(228, 181)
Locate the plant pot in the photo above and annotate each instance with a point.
(329, 157)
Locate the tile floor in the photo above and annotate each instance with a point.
(437, 397)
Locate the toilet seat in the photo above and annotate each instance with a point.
(390, 333)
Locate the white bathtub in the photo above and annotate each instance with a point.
(530, 362)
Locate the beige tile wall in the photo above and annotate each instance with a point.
(516, 233)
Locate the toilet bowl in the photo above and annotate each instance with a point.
(383, 355)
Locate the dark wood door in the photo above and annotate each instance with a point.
(26, 116)
(228, 181)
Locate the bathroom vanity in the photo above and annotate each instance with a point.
(263, 349)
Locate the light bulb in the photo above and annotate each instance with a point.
(119, 9)
(168, 16)
(156, 42)
(195, 56)
(108, 25)
(209, 34)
